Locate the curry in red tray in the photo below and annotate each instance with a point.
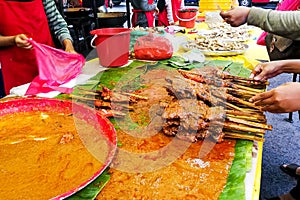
(42, 156)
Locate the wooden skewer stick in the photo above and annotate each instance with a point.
(248, 113)
(87, 93)
(82, 98)
(241, 91)
(249, 123)
(96, 92)
(135, 95)
(248, 88)
(238, 78)
(249, 118)
(241, 127)
(234, 107)
(243, 136)
(246, 103)
(88, 90)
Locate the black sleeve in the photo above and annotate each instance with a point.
(161, 4)
(88, 3)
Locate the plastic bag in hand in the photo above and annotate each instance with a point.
(56, 67)
(151, 47)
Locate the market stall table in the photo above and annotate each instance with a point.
(251, 57)
(252, 179)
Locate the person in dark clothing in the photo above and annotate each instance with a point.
(89, 3)
(294, 171)
(143, 13)
(99, 3)
(168, 11)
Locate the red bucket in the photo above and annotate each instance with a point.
(112, 46)
(187, 17)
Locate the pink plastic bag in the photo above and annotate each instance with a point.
(56, 67)
(261, 39)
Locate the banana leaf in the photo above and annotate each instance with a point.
(219, 63)
(235, 187)
(92, 190)
(244, 72)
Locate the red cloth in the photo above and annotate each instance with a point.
(285, 5)
(19, 65)
(163, 16)
(149, 16)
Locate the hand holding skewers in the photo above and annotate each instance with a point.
(282, 99)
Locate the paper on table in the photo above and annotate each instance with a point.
(21, 90)
(89, 70)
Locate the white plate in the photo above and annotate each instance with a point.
(223, 53)
(217, 53)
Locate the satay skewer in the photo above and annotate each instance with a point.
(249, 123)
(243, 79)
(241, 127)
(233, 106)
(248, 88)
(73, 96)
(98, 92)
(241, 92)
(233, 135)
(135, 95)
(246, 103)
(247, 116)
(202, 79)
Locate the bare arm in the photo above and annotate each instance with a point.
(7, 41)
(169, 12)
(282, 99)
(58, 25)
(268, 70)
(282, 23)
(18, 40)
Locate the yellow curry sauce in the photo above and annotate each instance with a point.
(190, 176)
(42, 155)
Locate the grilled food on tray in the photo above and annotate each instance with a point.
(202, 103)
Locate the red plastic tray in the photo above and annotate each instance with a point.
(64, 106)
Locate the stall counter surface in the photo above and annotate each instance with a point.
(250, 59)
(253, 177)
(253, 55)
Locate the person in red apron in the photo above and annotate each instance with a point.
(22, 19)
(143, 13)
(108, 3)
(168, 11)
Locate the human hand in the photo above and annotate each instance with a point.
(69, 46)
(156, 11)
(236, 16)
(264, 71)
(21, 41)
(283, 99)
